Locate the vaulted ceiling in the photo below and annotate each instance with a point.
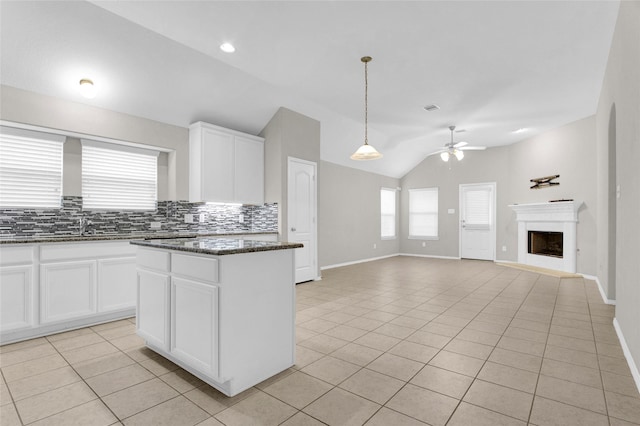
(491, 66)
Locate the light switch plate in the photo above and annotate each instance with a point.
(156, 225)
(451, 211)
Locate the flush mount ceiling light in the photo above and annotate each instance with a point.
(366, 151)
(87, 88)
(227, 48)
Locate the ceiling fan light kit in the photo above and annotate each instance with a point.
(455, 149)
(366, 151)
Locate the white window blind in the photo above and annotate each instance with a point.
(423, 213)
(118, 177)
(30, 169)
(477, 206)
(387, 213)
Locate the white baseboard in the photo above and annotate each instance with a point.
(504, 261)
(429, 255)
(627, 354)
(603, 294)
(355, 262)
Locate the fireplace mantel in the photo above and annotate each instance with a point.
(559, 216)
(561, 211)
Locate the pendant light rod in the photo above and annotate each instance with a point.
(366, 151)
(366, 60)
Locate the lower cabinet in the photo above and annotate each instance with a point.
(116, 284)
(67, 290)
(152, 320)
(51, 287)
(194, 324)
(16, 290)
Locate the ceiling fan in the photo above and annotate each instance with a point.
(455, 149)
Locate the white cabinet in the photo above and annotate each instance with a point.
(116, 283)
(67, 290)
(225, 165)
(16, 287)
(231, 318)
(50, 287)
(194, 324)
(152, 319)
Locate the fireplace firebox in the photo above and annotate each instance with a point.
(545, 243)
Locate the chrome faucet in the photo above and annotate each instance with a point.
(83, 225)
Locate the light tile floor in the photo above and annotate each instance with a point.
(400, 341)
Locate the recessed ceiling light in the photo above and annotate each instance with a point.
(520, 130)
(87, 88)
(227, 48)
(432, 107)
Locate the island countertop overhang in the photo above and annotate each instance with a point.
(216, 246)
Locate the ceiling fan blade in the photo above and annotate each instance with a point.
(437, 152)
(473, 148)
(461, 144)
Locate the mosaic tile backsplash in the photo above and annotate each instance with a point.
(66, 220)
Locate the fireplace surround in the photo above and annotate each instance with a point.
(553, 227)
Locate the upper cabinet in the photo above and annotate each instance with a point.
(225, 165)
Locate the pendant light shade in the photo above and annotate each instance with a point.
(366, 151)
(459, 154)
(444, 156)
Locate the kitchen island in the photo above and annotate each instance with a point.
(221, 308)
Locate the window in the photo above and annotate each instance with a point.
(118, 177)
(477, 208)
(423, 213)
(387, 213)
(30, 169)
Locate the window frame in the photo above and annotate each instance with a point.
(434, 214)
(27, 166)
(395, 214)
(137, 155)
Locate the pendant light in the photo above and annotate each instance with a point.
(366, 151)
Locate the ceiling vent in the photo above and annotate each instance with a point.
(432, 107)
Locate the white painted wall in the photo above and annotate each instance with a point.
(621, 90)
(349, 215)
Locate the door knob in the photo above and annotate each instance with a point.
(293, 229)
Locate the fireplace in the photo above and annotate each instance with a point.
(547, 234)
(545, 243)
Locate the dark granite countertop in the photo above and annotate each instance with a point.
(115, 237)
(216, 246)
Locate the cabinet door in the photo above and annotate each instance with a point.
(217, 166)
(152, 320)
(116, 284)
(67, 290)
(16, 288)
(249, 171)
(194, 324)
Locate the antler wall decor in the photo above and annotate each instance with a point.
(544, 182)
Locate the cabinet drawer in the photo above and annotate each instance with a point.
(153, 259)
(200, 268)
(14, 255)
(55, 252)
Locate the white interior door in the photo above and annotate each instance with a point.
(301, 219)
(477, 221)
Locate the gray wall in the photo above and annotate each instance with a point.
(568, 151)
(349, 215)
(618, 254)
(25, 107)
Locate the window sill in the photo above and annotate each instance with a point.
(418, 237)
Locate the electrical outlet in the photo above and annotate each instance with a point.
(504, 248)
(375, 245)
(240, 218)
(156, 225)
(424, 244)
(188, 218)
(201, 217)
